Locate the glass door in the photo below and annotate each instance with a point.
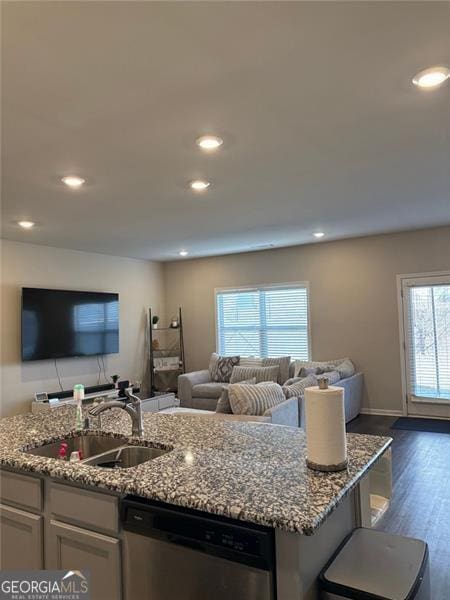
(426, 327)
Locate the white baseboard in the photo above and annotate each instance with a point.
(382, 412)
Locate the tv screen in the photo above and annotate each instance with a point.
(62, 323)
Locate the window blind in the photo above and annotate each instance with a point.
(268, 321)
(428, 340)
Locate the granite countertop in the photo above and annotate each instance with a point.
(254, 472)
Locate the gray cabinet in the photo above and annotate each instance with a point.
(21, 539)
(74, 548)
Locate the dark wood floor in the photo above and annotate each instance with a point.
(420, 505)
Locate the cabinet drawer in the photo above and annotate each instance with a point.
(22, 490)
(93, 510)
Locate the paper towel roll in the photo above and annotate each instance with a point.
(325, 429)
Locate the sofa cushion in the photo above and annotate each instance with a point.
(222, 367)
(282, 362)
(213, 389)
(298, 389)
(223, 404)
(240, 374)
(254, 399)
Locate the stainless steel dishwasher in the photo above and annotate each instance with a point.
(172, 553)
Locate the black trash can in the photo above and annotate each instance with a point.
(373, 565)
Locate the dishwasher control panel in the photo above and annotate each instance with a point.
(244, 542)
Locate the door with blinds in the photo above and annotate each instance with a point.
(426, 330)
(263, 321)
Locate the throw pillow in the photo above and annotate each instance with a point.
(212, 364)
(254, 399)
(346, 368)
(310, 363)
(305, 371)
(223, 403)
(282, 362)
(321, 370)
(260, 373)
(224, 367)
(251, 361)
(332, 376)
(298, 389)
(293, 380)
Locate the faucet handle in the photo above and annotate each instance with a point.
(132, 397)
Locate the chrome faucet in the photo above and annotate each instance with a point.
(133, 408)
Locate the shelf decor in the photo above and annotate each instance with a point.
(166, 354)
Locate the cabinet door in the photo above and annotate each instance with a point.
(21, 539)
(73, 548)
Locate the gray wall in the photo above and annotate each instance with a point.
(139, 283)
(353, 298)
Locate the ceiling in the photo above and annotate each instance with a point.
(322, 128)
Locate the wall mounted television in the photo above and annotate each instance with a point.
(64, 323)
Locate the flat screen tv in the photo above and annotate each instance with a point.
(63, 323)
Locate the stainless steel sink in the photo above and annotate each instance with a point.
(125, 457)
(88, 445)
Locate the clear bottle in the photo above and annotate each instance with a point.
(78, 394)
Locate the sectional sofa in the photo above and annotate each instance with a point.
(197, 391)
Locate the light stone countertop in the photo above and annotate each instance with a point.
(254, 472)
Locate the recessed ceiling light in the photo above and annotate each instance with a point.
(430, 78)
(209, 142)
(183, 252)
(73, 181)
(318, 234)
(199, 185)
(26, 224)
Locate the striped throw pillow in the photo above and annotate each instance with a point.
(223, 403)
(251, 361)
(260, 373)
(283, 363)
(254, 399)
(298, 389)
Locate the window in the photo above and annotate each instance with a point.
(263, 321)
(427, 337)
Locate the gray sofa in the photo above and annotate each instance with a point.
(285, 413)
(196, 390)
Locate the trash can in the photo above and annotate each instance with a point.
(373, 565)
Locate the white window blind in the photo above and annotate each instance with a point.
(428, 340)
(267, 321)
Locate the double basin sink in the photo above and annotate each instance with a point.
(101, 451)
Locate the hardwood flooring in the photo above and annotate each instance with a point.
(420, 505)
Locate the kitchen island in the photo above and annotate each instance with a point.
(250, 472)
